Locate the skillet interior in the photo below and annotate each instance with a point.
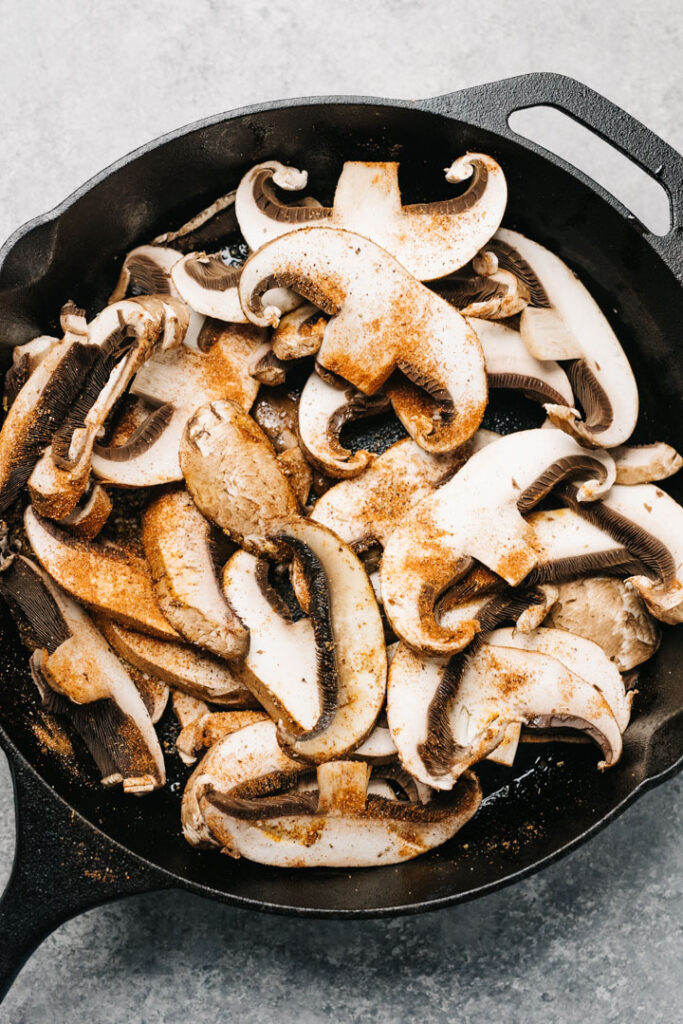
(553, 795)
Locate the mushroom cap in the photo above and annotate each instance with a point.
(233, 475)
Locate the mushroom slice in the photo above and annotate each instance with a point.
(495, 296)
(324, 408)
(180, 550)
(510, 365)
(281, 666)
(611, 614)
(176, 383)
(298, 472)
(154, 693)
(645, 463)
(428, 239)
(90, 515)
(25, 358)
(77, 674)
(209, 286)
(105, 577)
(266, 368)
(233, 476)
(210, 728)
(349, 640)
(242, 798)
(479, 514)
(195, 673)
(649, 523)
(453, 726)
(381, 319)
(186, 708)
(146, 270)
(366, 510)
(299, 333)
(567, 324)
(125, 334)
(42, 404)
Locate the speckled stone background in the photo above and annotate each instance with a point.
(597, 937)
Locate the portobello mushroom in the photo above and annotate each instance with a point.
(243, 799)
(428, 239)
(381, 319)
(78, 675)
(478, 514)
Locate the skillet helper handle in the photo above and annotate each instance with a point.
(490, 106)
(62, 866)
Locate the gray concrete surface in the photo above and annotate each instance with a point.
(594, 938)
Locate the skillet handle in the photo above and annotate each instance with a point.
(62, 866)
(490, 106)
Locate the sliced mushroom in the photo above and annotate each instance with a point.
(266, 368)
(206, 730)
(154, 693)
(233, 475)
(349, 639)
(381, 320)
(479, 514)
(494, 296)
(186, 708)
(210, 286)
(107, 578)
(126, 334)
(298, 472)
(299, 333)
(180, 551)
(175, 384)
(510, 365)
(78, 675)
(42, 404)
(495, 687)
(146, 270)
(645, 463)
(567, 324)
(25, 358)
(242, 799)
(324, 408)
(90, 515)
(649, 523)
(196, 674)
(428, 239)
(276, 412)
(608, 612)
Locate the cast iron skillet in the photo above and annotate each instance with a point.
(79, 845)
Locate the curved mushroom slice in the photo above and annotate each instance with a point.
(567, 324)
(125, 334)
(608, 612)
(299, 333)
(207, 729)
(649, 523)
(381, 319)
(645, 463)
(233, 476)
(154, 693)
(180, 550)
(366, 510)
(495, 296)
(210, 286)
(177, 383)
(349, 640)
(195, 673)
(25, 358)
(281, 665)
(90, 515)
(324, 408)
(242, 799)
(105, 577)
(479, 514)
(77, 674)
(428, 239)
(276, 412)
(510, 365)
(42, 404)
(497, 686)
(581, 656)
(266, 368)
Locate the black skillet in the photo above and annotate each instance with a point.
(79, 845)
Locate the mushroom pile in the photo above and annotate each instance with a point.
(344, 634)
